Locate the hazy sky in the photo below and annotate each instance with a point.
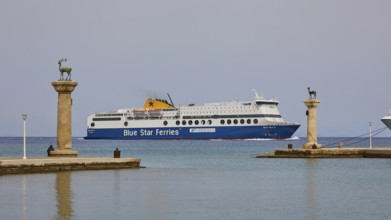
(198, 51)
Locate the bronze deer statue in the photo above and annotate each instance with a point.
(64, 69)
(312, 93)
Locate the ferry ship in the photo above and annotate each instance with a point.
(160, 119)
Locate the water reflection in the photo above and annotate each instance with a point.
(64, 195)
(312, 189)
(24, 198)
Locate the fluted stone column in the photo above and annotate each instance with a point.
(312, 132)
(64, 118)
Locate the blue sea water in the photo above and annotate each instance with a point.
(199, 180)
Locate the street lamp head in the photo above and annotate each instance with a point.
(24, 116)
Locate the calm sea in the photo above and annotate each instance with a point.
(199, 180)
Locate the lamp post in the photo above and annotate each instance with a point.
(24, 116)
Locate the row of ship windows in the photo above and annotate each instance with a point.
(211, 112)
(204, 122)
(209, 122)
(245, 106)
(112, 114)
(190, 117)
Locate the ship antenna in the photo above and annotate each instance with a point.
(257, 95)
(172, 103)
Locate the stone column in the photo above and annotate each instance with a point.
(64, 119)
(312, 132)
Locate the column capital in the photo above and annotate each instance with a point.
(64, 86)
(312, 103)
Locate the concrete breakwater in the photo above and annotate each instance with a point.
(45, 165)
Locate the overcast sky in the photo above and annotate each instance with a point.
(199, 51)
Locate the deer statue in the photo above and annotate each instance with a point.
(64, 69)
(311, 93)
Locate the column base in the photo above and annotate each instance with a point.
(312, 146)
(64, 153)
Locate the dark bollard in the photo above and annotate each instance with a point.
(117, 153)
(290, 146)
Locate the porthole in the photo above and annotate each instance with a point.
(255, 121)
(183, 122)
(165, 123)
(177, 122)
(209, 122)
(190, 122)
(236, 121)
(196, 122)
(248, 121)
(92, 124)
(203, 122)
(222, 121)
(126, 123)
(229, 121)
(241, 121)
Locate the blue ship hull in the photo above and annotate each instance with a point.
(224, 132)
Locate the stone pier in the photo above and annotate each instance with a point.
(329, 153)
(312, 131)
(46, 165)
(64, 119)
(312, 149)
